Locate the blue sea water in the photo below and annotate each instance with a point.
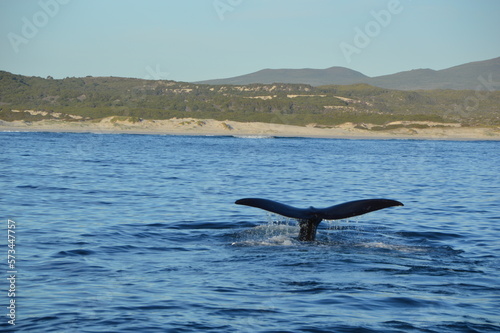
(140, 233)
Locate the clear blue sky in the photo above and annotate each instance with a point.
(190, 40)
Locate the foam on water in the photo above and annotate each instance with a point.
(392, 247)
(254, 136)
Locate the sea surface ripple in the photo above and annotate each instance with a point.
(125, 233)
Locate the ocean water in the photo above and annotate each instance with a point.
(140, 233)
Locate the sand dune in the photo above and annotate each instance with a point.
(190, 126)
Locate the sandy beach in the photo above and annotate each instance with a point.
(190, 126)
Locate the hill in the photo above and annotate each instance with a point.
(314, 77)
(75, 99)
(462, 77)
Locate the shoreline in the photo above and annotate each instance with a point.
(210, 127)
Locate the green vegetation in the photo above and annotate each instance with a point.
(77, 99)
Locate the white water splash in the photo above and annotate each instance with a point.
(392, 247)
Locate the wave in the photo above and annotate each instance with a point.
(254, 136)
(76, 252)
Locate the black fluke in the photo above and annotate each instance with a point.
(310, 218)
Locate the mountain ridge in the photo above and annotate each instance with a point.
(466, 76)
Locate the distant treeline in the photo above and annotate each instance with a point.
(300, 104)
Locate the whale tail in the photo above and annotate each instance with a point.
(310, 218)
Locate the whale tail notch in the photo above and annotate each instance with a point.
(310, 218)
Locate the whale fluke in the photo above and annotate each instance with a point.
(310, 218)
